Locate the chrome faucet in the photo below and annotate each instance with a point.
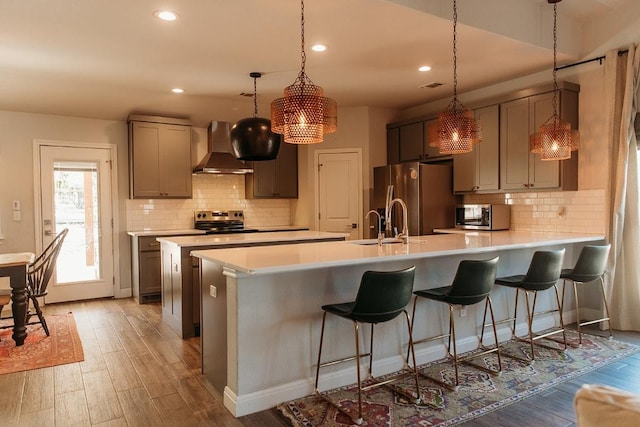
(387, 211)
(380, 232)
(404, 235)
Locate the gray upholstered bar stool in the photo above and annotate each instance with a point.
(381, 297)
(543, 273)
(590, 267)
(472, 284)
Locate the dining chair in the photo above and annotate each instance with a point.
(39, 274)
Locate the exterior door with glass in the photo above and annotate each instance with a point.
(75, 193)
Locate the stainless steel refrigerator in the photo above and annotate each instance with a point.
(426, 189)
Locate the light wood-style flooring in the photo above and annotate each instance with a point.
(138, 372)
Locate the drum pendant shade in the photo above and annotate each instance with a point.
(252, 138)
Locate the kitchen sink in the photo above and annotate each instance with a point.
(387, 241)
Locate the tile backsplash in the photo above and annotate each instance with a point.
(223, 192)
(554, 211)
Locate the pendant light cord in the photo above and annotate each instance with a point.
(303, 56)
(555, 63)
(255, 98)
(455, 51)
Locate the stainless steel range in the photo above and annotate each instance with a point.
(221, 222)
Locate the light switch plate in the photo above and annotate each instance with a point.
(213, 291)
(17, 216)
(15, 205)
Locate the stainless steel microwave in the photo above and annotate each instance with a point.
(483, 217)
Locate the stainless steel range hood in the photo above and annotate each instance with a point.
(219, 158)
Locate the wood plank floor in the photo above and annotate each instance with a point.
(138, 372)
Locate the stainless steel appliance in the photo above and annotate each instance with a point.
(426, 189)
(483, 217)
(219, 158)
(221, 222)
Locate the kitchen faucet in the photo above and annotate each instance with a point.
(387, 211)
(404, 235)
(380, 232)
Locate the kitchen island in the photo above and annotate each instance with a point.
(180, 276)
(260, 332)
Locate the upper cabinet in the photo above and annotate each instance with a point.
(501, 162)
(159, 157)
(478, 171)
(410, 142)
(522, 170)
(275, 179)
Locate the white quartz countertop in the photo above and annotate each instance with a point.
(247, 239)
(164, 232)
(275, 259)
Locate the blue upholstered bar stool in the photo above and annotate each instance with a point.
(472, 284)
(590, 267)
(544, 273)
(382, 296)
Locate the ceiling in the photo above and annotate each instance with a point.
(108, 58)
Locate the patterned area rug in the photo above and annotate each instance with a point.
(39, 351)
(478, 394)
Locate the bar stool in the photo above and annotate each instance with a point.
(472, 284)
(544, 271)
(381, 297)
(590, 266)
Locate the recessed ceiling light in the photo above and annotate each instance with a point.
(165, 15)
(424, 68)
(177, 90)
(318, 48)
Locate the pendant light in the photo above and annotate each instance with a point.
(252, 138)
(304, 114)
(457, 127)
(555, 140)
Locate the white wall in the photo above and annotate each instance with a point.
(16, 172)
(358, 127)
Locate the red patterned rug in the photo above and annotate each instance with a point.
(39, 350)
(479, 392)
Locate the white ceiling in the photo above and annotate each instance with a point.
(107, 58)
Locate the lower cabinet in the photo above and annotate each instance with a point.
(145, 268)
(181, 287)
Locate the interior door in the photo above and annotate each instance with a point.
(338, 190)
(75, 193)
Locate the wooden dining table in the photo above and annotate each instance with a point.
(14, 266)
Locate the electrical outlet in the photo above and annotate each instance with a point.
(213, 291)
(463, 311)
(17, 216)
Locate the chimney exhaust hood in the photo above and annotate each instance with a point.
(219, 158)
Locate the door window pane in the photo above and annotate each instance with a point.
(76, 208)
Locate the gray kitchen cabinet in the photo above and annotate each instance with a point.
(410, 142)
(519, 118)
(146, 267)
(275, 179)
(431, 131)
(479, 170)
(159, 157)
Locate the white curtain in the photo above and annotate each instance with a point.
(623, 272)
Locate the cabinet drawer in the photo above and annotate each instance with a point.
(149, 244)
